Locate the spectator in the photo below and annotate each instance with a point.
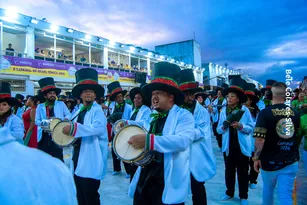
(10, 50)
(42, 53)
(93, 62)
(37, 51)
(83, 59)
(50, 54)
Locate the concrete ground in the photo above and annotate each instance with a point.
(113, 189)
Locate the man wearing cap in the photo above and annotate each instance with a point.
(17, 109)
(51, 108)
(236, 126)
(276, 147)
(89, 127)
(120, 108)
(217, 106)
(202, 160)
(166, 179)
(7, 119)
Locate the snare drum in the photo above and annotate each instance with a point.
(49, 124)
(59, 138)
(117, 126)
(128, 153)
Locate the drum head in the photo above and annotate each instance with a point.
(116, 126)
(120, 144)
(59, 138)
(54, 122)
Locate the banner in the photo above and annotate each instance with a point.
(25, 66)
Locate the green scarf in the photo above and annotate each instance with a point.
(155, 117)
(136, 110)
(267, 102)
(87, 108)
(221, 100)
(120, 105)
(49, 104)
(229, 110)
(189, 107)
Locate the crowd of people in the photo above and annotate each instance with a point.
(255, 130)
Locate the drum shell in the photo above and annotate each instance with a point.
(142, 159)
(58, 131)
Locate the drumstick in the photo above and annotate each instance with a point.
(126, 151)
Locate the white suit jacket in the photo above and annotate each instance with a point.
(19, 112)
(174, 143)
(127, 110)
(142, 118)
(92, 161)
(16, 127)
(215, 113)
(244, 135)
(202, 161)
(30, 176)
(60, 111)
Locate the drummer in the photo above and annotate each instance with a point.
(139, 116)
(166, 179)
(51, 108)
(202, 160)
(7, 118)
(90, 129)
(117, 94)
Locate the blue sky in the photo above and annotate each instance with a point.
(261, 37)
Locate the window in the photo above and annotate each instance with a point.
(17, 86)
(44, 46)
(14, 42)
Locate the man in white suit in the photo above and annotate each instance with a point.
(166, 179)
(202, 160)
(51, 108)
(89, 127)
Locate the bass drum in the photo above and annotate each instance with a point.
(61, 139)
(126, 152)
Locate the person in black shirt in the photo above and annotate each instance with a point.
(276, 148)
(165, 180)
(236, 126)
(9, 50)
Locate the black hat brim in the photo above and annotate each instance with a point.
(112, 97)
(149, 88)
(137, 90)
(253, 97)
(193, 90)
(98, 89)
(241, 95)
(11, 101)
(204, 95)
(57, 91)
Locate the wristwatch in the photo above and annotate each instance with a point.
(255, 158)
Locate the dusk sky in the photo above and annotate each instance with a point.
(259, 36)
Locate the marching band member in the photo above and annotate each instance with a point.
(236, 126)
(165, 180)
(29, 176)
(202, 160)
(201, 98)
(217, 105)
(117, 95)
(251, 104)
(139, 116)
(7, 118)
(267, 93)
(28, 117)
(51, 108)
(17, 109)
(90, 130)
(70, 102)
